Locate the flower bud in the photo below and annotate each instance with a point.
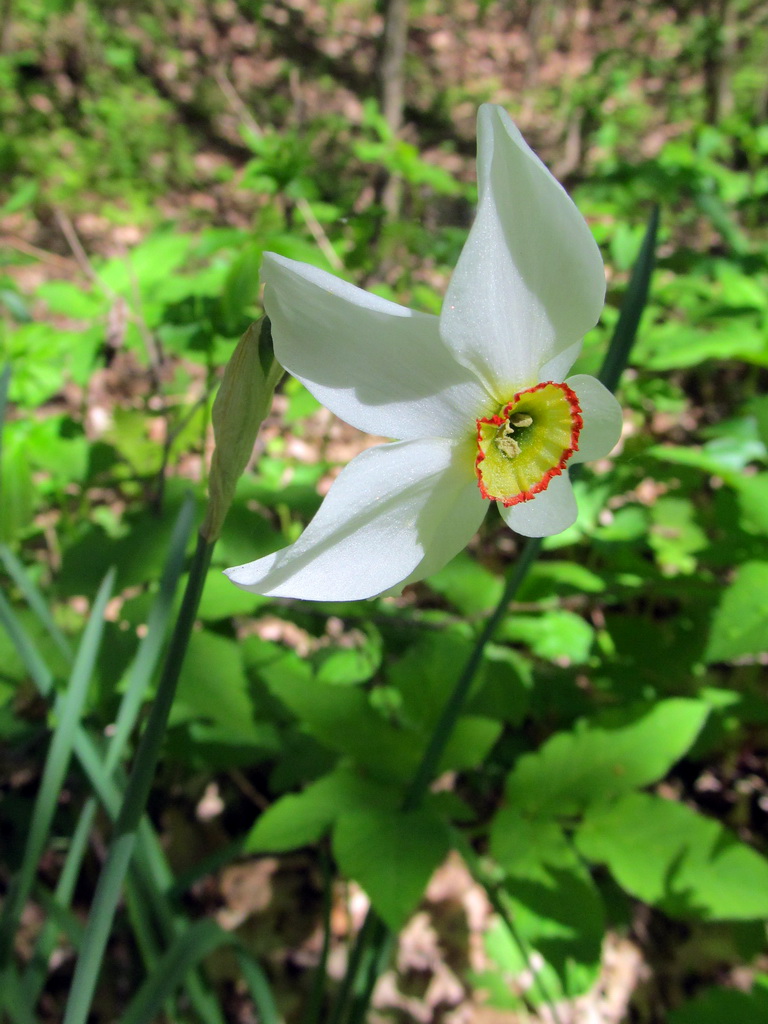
(243, 401)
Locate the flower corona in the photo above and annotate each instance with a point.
(521, 448)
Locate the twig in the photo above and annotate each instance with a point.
(11, 242)
(81, 256)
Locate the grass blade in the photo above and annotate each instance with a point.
(5, 380)
(69, 708)
(151, 646)
(13, 997)
(632, 307)
(35, 600)
(186, 952)
(137, 791)
(259, 987)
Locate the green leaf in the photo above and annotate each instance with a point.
(392, 854)
(299, 819)
(554, 635)
(344, 720)
(69, 300)
(214, 691)
(148, 264)
(635, 299)
(758, 407)
(348, 666)
(138, 555)
(675, 535)
(673, 345)
(221, 599)
(719, 1005)
(592, 764)
(241, 286)
(752, 496)
(556, 579)
(17, 490)
(519, 976)
(740, 624)
(667, 854)
(467, 585)
(561, 916)
(529, 847)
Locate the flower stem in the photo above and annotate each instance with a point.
(110, 883)
(444, 729)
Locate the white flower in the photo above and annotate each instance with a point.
(475, 397)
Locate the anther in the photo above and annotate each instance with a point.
(520, 419)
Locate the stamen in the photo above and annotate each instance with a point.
(520, 419)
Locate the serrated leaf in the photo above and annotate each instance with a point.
(392, 855)
(69, 300)
(592, 764)
(671, 345)
(740, 623)
(667, 854)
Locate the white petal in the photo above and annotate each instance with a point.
(602, 418)
(557, 368)
(529, 282)
(379, 366)
(550, 512)
(461, 511)
(379, 521)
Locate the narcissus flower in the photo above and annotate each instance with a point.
(477, 398)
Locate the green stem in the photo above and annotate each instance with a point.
(110, 883)
(365, 937)
(443, 731)
(315, 1003)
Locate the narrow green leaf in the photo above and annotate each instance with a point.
(34, 599)
(258, 986)
(13, 998)
(5, 379)
(69, 709)
(151, 646)
(188, 950)
(153, 877)
(127, 826)
(632, 308)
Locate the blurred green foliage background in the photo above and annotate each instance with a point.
(608, 780)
